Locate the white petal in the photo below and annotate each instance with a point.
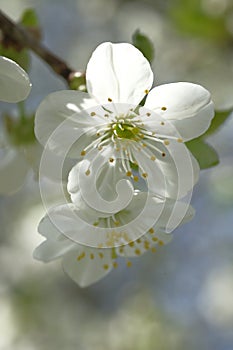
(87, 270)
(51, 250)
(118, 72)
(14, 81)
(67, 113)
(188, 107)
(13, 170)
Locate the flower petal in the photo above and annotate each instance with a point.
(118, 72)
(188, 106)
(50, 250)
(61, 119)
(13, 170)
(93, 265)
(14, 81)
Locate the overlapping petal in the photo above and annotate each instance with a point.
(14, 81)
(188, 106)
(118, 72)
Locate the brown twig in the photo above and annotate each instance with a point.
(24, 39)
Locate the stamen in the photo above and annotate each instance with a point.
(105, 266)
(151, 231)
(146, 92)
(88, 172)
(109, 99)
(92, 114)
(163, 108)
(129, 263)
(166, 142)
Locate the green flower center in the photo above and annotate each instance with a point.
(126, 131)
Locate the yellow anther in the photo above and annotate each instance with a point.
(106, 115)
(144, 175)
(131, 244)
(135, 178)
(121, 250)
(100, 148)
(151, 230)
(105, 266)
(146, 91)
(111, 160)
(109, 99)
(161, 243)
(83, 153)
(129, 173)
(153, 158)
(137, 251)
(101, 255)
(147, 245)
(139, 240)
(115, 264)
(129, 263)
(148, 114)
(93, 114)
(153, 249)
(180, 140)
(162, 123)
(155, 239)
(88, 172)
(92, 256)
(163, 108)
(163, 154)
(81, 256)
(166, 142)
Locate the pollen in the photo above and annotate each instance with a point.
(137, 251)
(146, 92)
(135, 178)
(129, 263)
(115, 264)
(163, 108)
(81, 256)
(166, 142)
(93, 114)
(129, 173)
(83, 153)
(151, 231)
(87, 172)
(109, 99)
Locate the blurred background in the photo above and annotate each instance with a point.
(182, 296)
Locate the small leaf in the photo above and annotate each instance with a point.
(219, 118)
(29, 19)
(203, 152)
(144, 44)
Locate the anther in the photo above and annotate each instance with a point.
(88, 172)
(148, 114)
(153, 249)
(101, 255)
(155, 239)
(105, 266)
(115, 264)
(109, 99)
(83, 153)
(180, 140)
(106, 115)
(162, 123)
(131, 244)
(81, 256)
(163, 108)
(163, 154)
(151, 231)
(153, 158)
(93, 114)
(137, 251)
(145, 175)
(166, 142)
(146, 92)
(161, 243)
(129, 263)
(135, 178)
(129, 173)
(92, 256)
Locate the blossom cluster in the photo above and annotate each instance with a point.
(129, 173)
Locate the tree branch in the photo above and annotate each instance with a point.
(24, 39)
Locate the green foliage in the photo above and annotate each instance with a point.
(190, 17)
(219, 118)
(203, 152)
(144, 44)
(29, 19)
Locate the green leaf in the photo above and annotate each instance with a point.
(21, 57)
(144, 44)
(219, 118)
(29, 19)
(205, 154)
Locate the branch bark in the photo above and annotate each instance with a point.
(24, 39)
